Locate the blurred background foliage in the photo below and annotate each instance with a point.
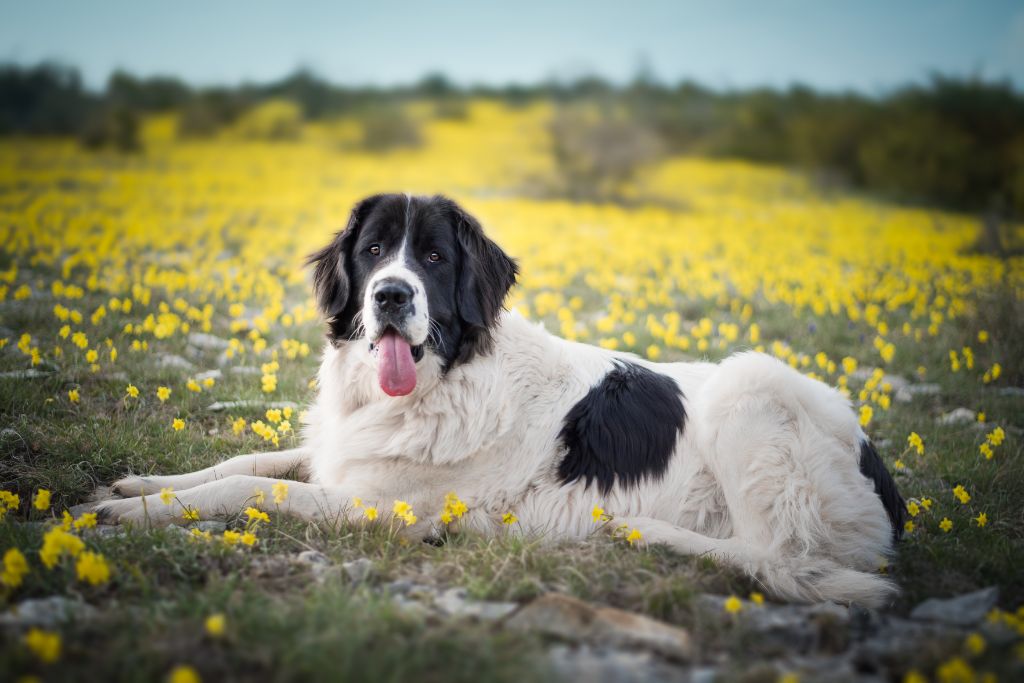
(951, 142)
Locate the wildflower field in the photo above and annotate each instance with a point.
(139, 291)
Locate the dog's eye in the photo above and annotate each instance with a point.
(434, 257)
(375, 249)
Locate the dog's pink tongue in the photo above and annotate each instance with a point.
(396, 370)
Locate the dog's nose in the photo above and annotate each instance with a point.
(393, 296)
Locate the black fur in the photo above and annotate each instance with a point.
(332, 283)
(624, 430)
(466, 288)
(872, 467)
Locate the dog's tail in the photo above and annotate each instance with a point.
(814, 579)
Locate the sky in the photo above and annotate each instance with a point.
(868, 45)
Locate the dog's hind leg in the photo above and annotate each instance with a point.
(292, 464)
(804, 579)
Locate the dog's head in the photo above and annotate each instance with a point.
(409, 276)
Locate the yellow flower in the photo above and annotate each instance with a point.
(259, 496)
(913, 508)
(193, 386)
(866, 413)
(183, 674)
(401, 508)
(946, 524)
(279, 491)
(178, 424)
(92, 568)
(981, 520)
(634, 536)
(955, 670)
(167, 495)
(509, 519)
(163, 393)
(757, 598)
(257, 515)
(961, 494)
(238, 425)
(42, 500)
(86, 521)
(132, 391)
(190, 514)
(45, 645)
(58, 542)
(8, 500)
(916, 443)
(215, 624)
(249, 538)
(74, 396)
(91, 356)
(733, 604)
(986, 450)
(231, 537)
(975, 644)
(370, 512)
(909, 526)
(15, 567)
(598, 514)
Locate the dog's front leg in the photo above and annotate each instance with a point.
(292, 463)
(227, 497)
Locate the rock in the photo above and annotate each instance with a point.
(963, 610)
(602, 665)
(30, 373)
(207, 342)
(116, 376)
(454, 603)
(170, 360)
(209, 374)
(8, 434)
(319, 565)
(358, 570)
(312, 557)
(1011, 391)
(906, 394)
(785, 629)
(212, 525)
(104, 531)
(247, 405)
(958, 416)
(564, 617)
(46, 612)
(245, 371)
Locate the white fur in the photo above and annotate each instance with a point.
(417, 324)
(765, 476)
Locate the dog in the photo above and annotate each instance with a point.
(429, 386)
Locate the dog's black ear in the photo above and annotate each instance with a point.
(486, 274)
(332, 268)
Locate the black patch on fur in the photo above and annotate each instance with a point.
(624, 430)
(872, 467)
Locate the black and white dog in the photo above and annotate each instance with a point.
(428, 386)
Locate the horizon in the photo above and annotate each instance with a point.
(792, 43)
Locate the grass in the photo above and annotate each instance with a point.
(285, 625)
(166, 584)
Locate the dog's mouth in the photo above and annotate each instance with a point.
(396, 362)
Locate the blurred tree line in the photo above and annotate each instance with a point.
(952, 142)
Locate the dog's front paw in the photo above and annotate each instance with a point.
(135, 511)
(130, 487)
